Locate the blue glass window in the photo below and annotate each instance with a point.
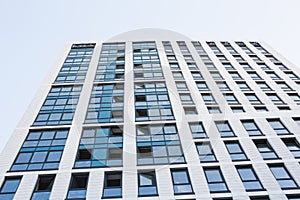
(41, 150)
(146, 61)
(278, 127)
(224, 129)
(106, 103)
(158, 144)
(235, 150)
(59, 106)
(111, 63)
(215, 180)
(76, 64)
(9, 188)
(197, 130)
(152, 102)
(283, 177)
(147, 183)
(251, 128)
(265, 149)
(181, 181)
(249, 178)
(100, 147)
(205, 151)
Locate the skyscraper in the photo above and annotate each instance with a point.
(155, 115)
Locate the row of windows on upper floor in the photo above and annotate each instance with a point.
(156, 144)
(151, 100)
(113, 57)
(147, 182)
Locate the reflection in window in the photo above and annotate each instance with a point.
(158, 144)
(181, 181)
(147, 183)
(9, 187)
(283, 177)
(215, 180)
(41, 150)
(100, 147)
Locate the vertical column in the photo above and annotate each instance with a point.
(129, 140)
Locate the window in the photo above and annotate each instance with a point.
(235, 76)
(265, 149)
(249, 178)
(231, 99)
(255, 58)
(254, 76)
(243, 86)
(297, 120)
(215, 179)
(263, 66)
(78, 186)
(186, 99)
(284, 86)
(76, 65)
(111, 65)
(192, 66)
(260, 108)
(239, 58)
(190, 110)
(259, 47)
(273, 75)
(295, 97)
(293, 145)
(275, 99)
(59, 106)
(174, 66)
(223, 86)
(224, 129)
(177, 75)
(43, 187)
(208, 98)
(147, 183)
(228, 66)
(181, 181)
(210, 66)
(106, 103)
(205, 151)
(252, 98)
(202, 86)
(158, 144)
(197, 130)
(228, 46)
(152, 102)
(181, 86)
(246, 66)
(146, 61)
(9, 187)
(216, 75)
(283, 177)
(213, 110)
(100, 147)
(264, 86)
(112, 185)
(278, 127)
(292, 76)
(197, 75)
(235, 150)
(41, 150)
(251, 128)
(259, 198)
(237, 109)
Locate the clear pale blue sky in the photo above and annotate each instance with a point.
(33, 33)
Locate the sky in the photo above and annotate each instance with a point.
(33, 34)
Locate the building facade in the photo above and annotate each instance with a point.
(158, 118)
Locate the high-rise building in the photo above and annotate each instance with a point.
(155, 115)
